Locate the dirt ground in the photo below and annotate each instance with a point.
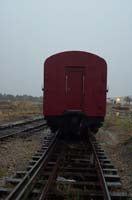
(15, 154)
(118, 146)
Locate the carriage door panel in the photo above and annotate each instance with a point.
(74, 88)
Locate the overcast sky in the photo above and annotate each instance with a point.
(32, 30)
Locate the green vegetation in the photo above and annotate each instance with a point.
(129, 141)
(3, 172)
(128, 144)
(68, 190)
(128, 99)
(116, 121)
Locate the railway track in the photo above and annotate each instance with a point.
(16, 129)
(66, 170)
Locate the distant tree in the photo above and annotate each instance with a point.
(10, 97)
(1, 96)
(128, 99)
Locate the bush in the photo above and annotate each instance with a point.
(123, 123)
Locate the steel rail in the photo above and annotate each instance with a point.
(100, 174)
(19, 123)
(23, 189)
(50, 180)
(22, 131)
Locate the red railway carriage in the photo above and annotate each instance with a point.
(75, 90)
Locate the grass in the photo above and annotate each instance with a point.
(19, 110)
(116, 121)
(68, 190)
(128, 144)
(3, 172)
(129, 141)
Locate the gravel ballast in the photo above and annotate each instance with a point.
(16, 153)
(118, 146)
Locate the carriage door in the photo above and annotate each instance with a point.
(74, 88)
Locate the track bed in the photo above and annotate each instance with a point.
(68, 170)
